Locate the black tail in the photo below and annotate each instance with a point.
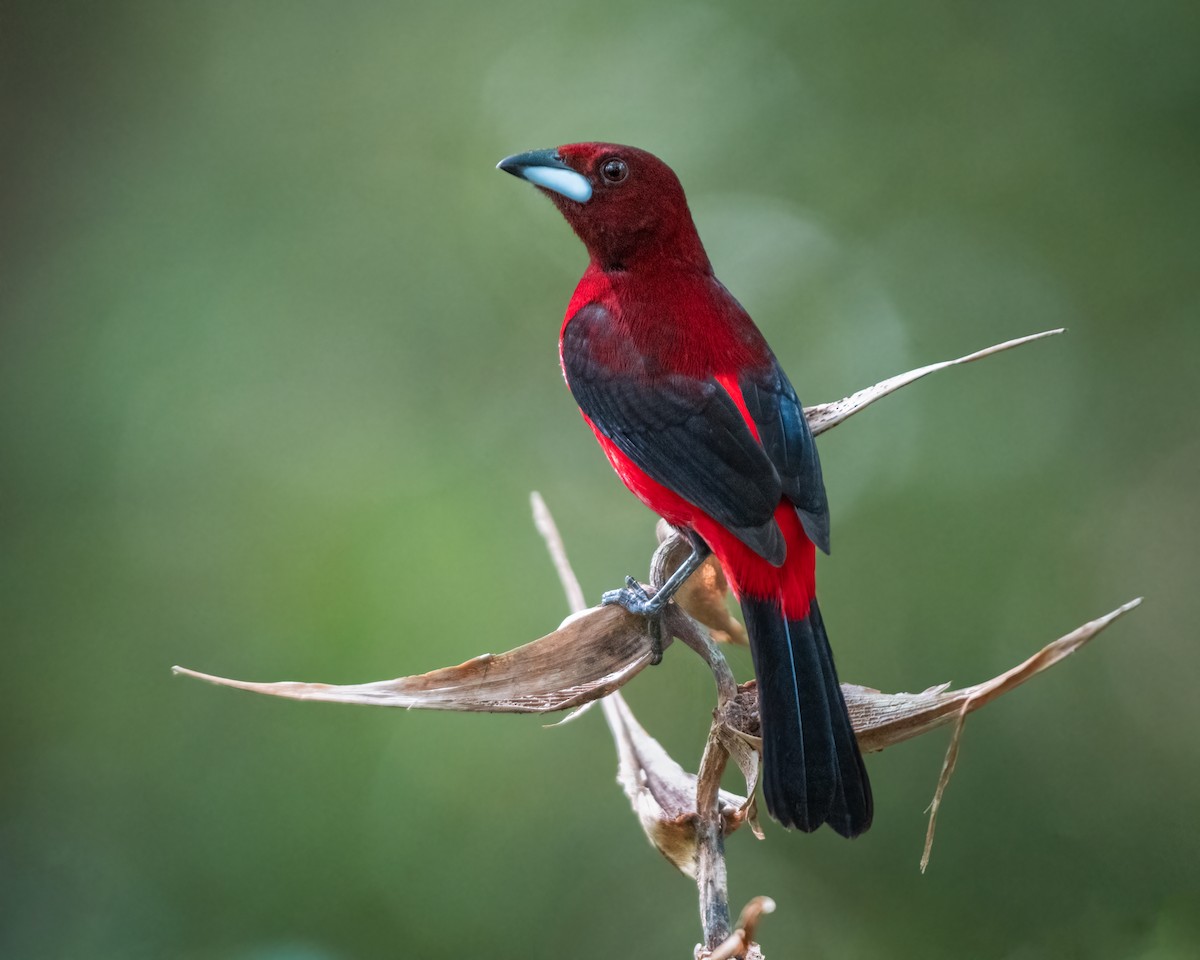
(812, 770)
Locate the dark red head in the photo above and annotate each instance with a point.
(625, 204)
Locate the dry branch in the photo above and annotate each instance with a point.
(596, 651)
(741, 943)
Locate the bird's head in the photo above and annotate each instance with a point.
(626, 205)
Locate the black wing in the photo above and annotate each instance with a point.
(787, 440)
(684, 433)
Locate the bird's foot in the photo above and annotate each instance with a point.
(634, 598)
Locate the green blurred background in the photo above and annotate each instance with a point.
(278, 371)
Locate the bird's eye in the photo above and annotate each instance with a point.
(614, 170)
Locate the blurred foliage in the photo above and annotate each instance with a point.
(278, 370)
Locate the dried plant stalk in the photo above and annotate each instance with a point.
(741, 943)
(596, 651)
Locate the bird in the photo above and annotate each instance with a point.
(699, 420)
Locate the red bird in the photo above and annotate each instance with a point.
(701, 423)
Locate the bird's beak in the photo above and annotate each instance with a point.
(545, 168)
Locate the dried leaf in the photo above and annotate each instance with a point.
(705, 593)
(948, 766)
(826, 416)
(662, 793)
(703, 596)
(883, 719)
(592, 654)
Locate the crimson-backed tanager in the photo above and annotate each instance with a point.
(701, 423)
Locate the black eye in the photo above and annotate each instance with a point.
(614, 170)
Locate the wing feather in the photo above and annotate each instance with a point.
(685, 433)
(777, 413)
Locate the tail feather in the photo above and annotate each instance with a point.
(813, 772)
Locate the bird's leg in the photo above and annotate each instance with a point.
(634, 598)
